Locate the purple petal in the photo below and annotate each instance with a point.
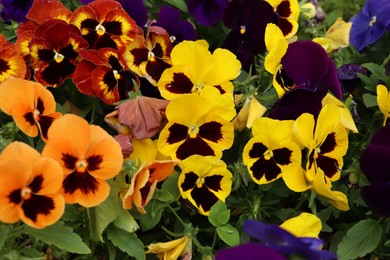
(377, 198)
(207, 12)
(381, 137)
(249, 251)
(16, 9)
(347, 74)
(137, 10)
(296, 102)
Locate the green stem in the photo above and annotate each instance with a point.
(13, 131)
(93, 110)
(176, 215)
(214, 239)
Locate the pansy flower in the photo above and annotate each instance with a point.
(16, 10)
(287, 12)
(303, 225)
(31, 105)
(187, 76)
(149, 57)
(272, 154)
(374, 162)
(370, 23)
(88, 155)
(383, 100)
(348, 77)
(247, 21)
(135, 8)
(30, 186)
(54, 51)
(195, 126)
(180, 248)
(178, 29)
(204, 181)
(143, 116)
(207, 12)
(250, 111)
(104, 23)
(11, 62)
(103, 73)
(336, 37)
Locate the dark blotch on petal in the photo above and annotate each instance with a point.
(156, 68)
(46, 55)
(113, 27)
(145, 191)
(140, 55)
(282, 156)
(257, 151)
(284, 9)
(55, 72)
(110, 81)
(180, 84)
(158, 50)
(69, 52)
(221, 90)
(284, 80)
(82, 181)
(89, 24)
(328, 165)
(105, 41)
(29, 118)
(15, 196)
(114, 63)
(36, 184)
(213, 182)
(40, 105)
(212, 131)
(329, 144)
(45, 123)
(4, 66)
(267, 168)
(69, 161)
(94, 162)
(189, 182)
(177, 133)
(193, 146)
(36, 205)
(204, 197)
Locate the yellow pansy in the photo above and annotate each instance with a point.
(172, 250)
(383, 100)
(337, 36)
(303, 225)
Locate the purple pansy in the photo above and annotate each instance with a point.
(284, 242)
(374, 162)
(370, 23)
(249, 251)
(178, 29)
(247, 20)
(294, 103)
(207, 12)
(308, 65)
(15, 9)
(347, 74)
(135, 8)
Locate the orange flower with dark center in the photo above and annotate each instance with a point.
(104, 74)
(54, 49)
(31, 105)
(88, 155)
(30, 187)
(11, 63)
(150, 56)
(104, 23)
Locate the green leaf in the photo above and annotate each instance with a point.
(4, 229)
(377, 70)
(127, 242)
(369, 100)
(360, 240)
(60, 236)
(170, 184)
(228, 234)
(102, 215)
(126, 222)
(164, 196)
(154, 211)
(219, 214)
(179, 4)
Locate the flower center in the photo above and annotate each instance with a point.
(81, 165)
(199, 182)
(100, 30)
(36, 114)
(373, 20)
(58, 57)
(116, 74)
(172, 38)
(151, 56)
(26, 193)
(242, 29)
(193, 131)
(268, 154)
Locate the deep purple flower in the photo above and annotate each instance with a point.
(135, 8)
(15, 9)
(178, 29)
(308, 65)
(207, 12)
(284, 242)
(374, 162)
(296, 102)
(247, 20)
(347, 74)
(249, 251)
(370, 23)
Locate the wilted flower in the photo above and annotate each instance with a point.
(181, 247)
(30, 187)
(88, 155)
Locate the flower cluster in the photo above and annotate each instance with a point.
(227, 129)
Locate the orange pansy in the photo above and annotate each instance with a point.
(30, 104)
(30, 187)
(88, 155)
(11, 62)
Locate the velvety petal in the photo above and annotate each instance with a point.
(137, 10)
(375, 198)
(16, 10)
(374, 162)
(207, 13)
(248, 251)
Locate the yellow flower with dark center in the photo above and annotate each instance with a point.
(195, 126)
(288, 13)
(272, 154)
(276, 45)
(195, 68)
(204, 181)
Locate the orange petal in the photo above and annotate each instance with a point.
(44, 10)
(160, 170)
(56, 149)
(51, 174)
(20, 151)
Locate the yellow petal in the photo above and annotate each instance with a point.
(276, 46)
(383, 99)
(304, 225)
